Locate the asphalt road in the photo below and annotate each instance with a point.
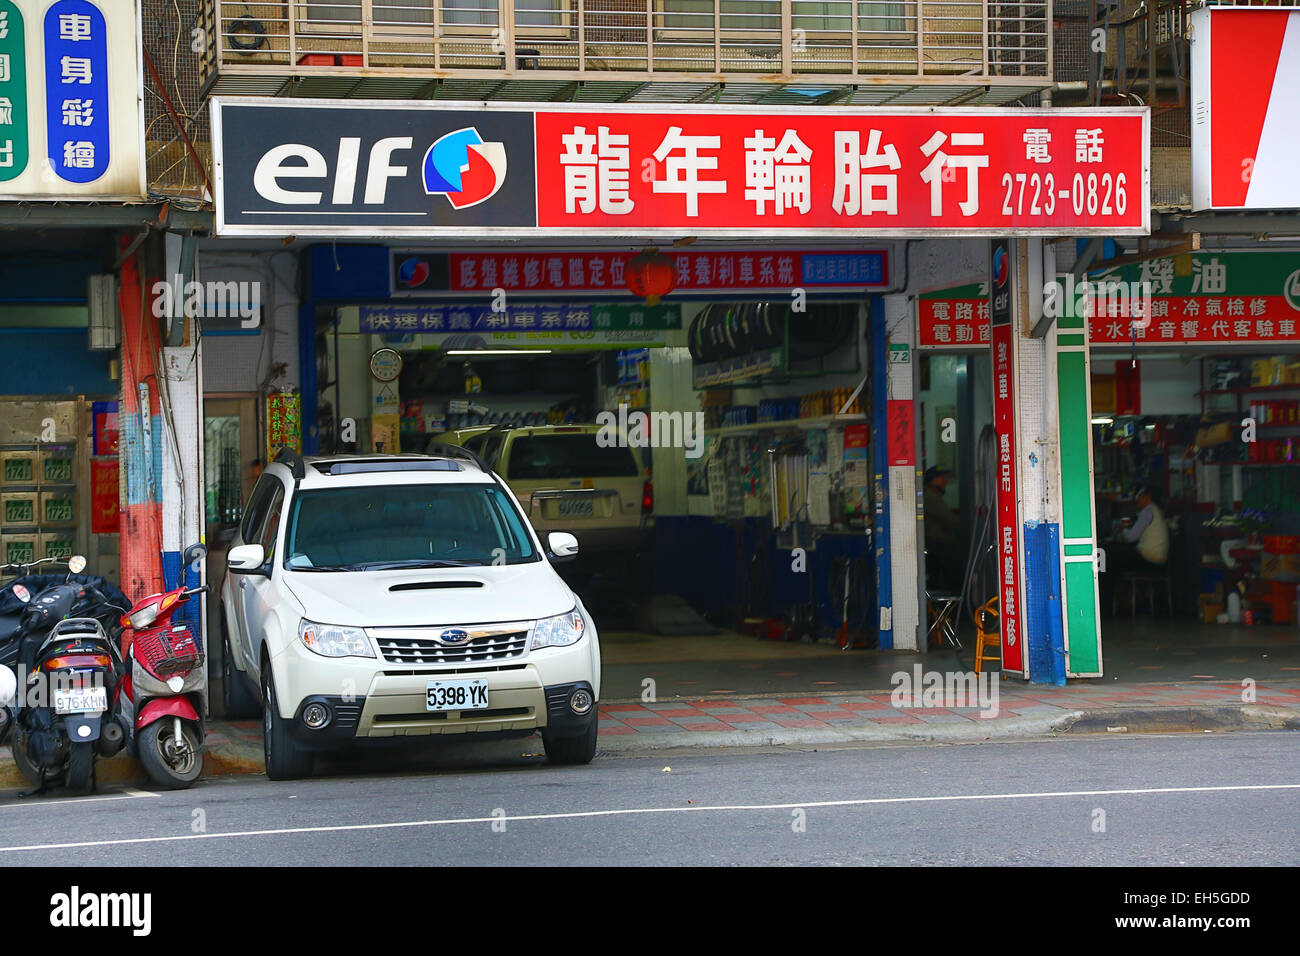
(1199, 800)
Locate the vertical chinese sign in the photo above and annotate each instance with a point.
(13, 92)
(283, 423)
(71, 119)
(76, 91)
(1004, 427)
(901, 427)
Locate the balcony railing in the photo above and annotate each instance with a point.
(957, 42)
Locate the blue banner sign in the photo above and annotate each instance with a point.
(76, 90)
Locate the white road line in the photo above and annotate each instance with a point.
(27, 802)
(578, 814)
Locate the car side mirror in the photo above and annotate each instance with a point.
(246, 559)
(562, 546)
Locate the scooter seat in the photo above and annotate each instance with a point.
(9, 625)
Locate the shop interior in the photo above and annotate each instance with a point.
(762, 570)
(1213, 440)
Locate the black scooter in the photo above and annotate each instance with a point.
(65, 646)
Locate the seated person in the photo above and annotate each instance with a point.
(1142, 547)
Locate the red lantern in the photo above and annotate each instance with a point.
(650, 274)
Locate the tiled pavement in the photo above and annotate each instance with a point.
(826, 712)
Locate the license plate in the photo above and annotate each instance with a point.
(91, 701)
(582, 507)
(456, 695)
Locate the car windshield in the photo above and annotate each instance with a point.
(570, 456)
(389, 526)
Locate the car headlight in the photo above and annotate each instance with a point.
(331, 640)
(559, 631)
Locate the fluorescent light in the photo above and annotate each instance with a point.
(1103, 421)
(498, 351)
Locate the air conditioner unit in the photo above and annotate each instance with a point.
(101, 304)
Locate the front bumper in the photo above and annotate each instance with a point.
(384, 700)
(387, 717)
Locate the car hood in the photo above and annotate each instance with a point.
(431, 596)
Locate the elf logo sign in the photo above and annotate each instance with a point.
(465, 169)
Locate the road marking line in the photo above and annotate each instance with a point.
(126, 794)
(578, 814)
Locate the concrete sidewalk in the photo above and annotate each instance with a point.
(1024, 710)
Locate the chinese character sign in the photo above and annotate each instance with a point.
(1004, 425)
(13, 92)
(1203, 299)
(76, 88)
(84, 141)
(1055, 172)
(630, 170)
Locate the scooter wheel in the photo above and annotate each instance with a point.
(170, 766)
(80, 777)
(25, 766)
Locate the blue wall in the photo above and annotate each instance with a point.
(52, 362)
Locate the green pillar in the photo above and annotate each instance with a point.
(1082, 620)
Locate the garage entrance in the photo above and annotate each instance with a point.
(712, 453)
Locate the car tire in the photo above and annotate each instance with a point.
(237, 698)
(285, 760)
(571, 750)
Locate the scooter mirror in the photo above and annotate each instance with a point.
(195, 553)
(8, 686)
(77, 563)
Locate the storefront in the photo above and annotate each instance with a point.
(513, 222)
(58, 415)
(1193, 395)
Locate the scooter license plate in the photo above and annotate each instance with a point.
(456, 695)
(93, 700)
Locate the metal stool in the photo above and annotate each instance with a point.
(943, 617)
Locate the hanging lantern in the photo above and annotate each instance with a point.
(650, 274)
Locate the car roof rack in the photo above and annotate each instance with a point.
(361, 466)
(287, 456)
(443, 450)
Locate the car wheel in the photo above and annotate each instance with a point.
(285, 760)
(237, 698)
(576, 749)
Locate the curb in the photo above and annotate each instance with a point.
(1197, 719)
(125, 769)
(225, 760)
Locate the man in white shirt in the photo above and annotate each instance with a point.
(1142, 547)
(1150, 533)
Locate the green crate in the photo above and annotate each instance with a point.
(58, 509)
(19, 507)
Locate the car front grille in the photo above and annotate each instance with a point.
(421, 646)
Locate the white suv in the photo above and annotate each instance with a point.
(402, 596)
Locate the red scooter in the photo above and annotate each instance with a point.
(161, 694)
